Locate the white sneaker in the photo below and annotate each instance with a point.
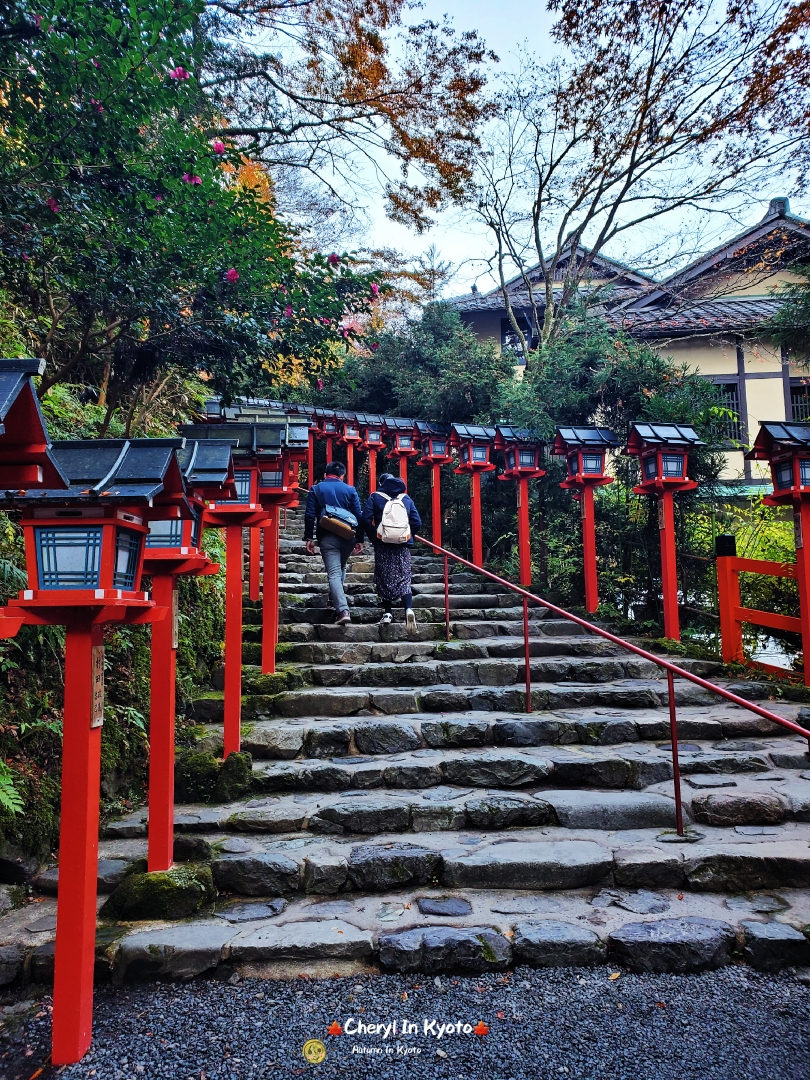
(410, 619)
(387, 619)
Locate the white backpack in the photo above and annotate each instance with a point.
(394, 527)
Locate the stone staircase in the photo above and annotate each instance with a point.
(403, 810)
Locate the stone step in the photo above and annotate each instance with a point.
(704, 737)
(403, 652)
(367, 609)
(467, 630)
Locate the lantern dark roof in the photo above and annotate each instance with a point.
(369, 420)
(776, 435)
(509, 434)
(296, 436)
(427, 428)
(473, 431)
(398, 423)
(128, 471)
(679, 435)
(592, 438)
(24, 439)
(207, 465)
(244, 438)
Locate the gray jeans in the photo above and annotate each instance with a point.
(335, 554)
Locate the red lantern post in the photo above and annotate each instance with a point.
(84, 555)
(585, 451)
(435, 443)
(371, 429)
(786, 447)
(404, 442)
(663, 453)
(173, 550)
(474, 445)
(349, 436)
(522, 453)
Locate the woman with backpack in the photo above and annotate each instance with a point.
(391, 520)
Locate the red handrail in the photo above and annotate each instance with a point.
(671, 669)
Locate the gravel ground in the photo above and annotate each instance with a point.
(728, 1025)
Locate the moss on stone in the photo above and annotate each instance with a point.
(171, 894)
(235, 777)
(487, 951)
(255, 681)
(195, 776)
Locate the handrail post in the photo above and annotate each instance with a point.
(801, 528)
(676, 768)
(446, 600)
(728, 599)
(527, 655)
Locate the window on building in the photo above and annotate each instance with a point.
(799, 400)
(729, 426)
(510, 342)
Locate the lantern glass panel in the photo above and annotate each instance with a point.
(329, 426)
(69, 558)
(242, 487)
(650, 467)
(510, 459)
(592, 464)
(438, 446)
(374, 436)
(804, 466)
(272, 479)
(673, 464)
(165, 534)
(196, 529)
(527, 458)
(405, 442)
(479, 453)
(352, 433)
(465, 453)
(784, 474)
(573, 464)
(127, 549)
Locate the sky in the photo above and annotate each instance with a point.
(511, 28)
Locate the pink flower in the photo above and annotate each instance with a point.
(375, 288)
(326, 322)
(374, 346)
(320, 384)
(218, 147)
(179, 73)
(232, 275)
(25, 257)
(345, 332)
(158, 198)
(98, 105)
(288, 311)
(96, 64)
(189, 178)
(38, 21)
(333, 259)
(52, 204)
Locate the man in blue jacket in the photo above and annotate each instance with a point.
(335, 551)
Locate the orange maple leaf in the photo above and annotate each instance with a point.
(334, 1028)
(481, 1028)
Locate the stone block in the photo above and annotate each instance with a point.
(393, 866)
(12, 958)
(611, 809)
(738, 808)
(269, 739)
(444, 733)
(737, 868)
(644, 868)
(327, 740)
(325, 874)
(362, 815)
(191, 849)
(562, 864)
(676, 945)
(437, 817)
(497, 769)
(286, 817)
(177, 952)
(172, 894)
(506, 811)
(530, 732)
(322, 940)
(256, 874)
(606, 732)
(553, 943)
(439, 949)
(772, 946)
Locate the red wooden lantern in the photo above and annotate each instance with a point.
(522, 454)
(173, 549)
(405, 443)
(786, 447)
(350, 437)
(85, 555)
(371, 430)
(26, 460)
(327, 429)
(585, 451)
(663, 452)
(434, 440)
(474, 445)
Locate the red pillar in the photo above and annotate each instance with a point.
(350, 463)
(669, 570)
(436, 496)
(589, 549)
(372, 471)
(728, 601)
(254, 563)
(524, 544)
(475, 508)
(802, 530)
(403, 469)
(328, 451)
(311, 459)
(270, 594)
(78, 847)
(161, 726)
(233, 638)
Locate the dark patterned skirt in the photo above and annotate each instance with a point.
(392, 570)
